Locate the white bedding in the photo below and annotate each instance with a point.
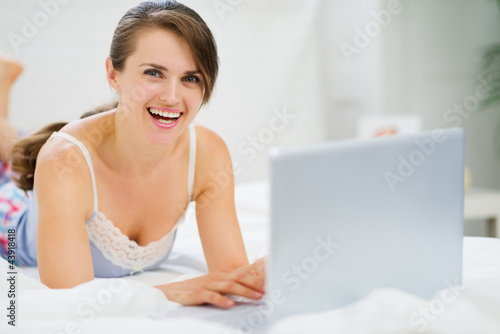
(131, 304)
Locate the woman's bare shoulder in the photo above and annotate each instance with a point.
(91, 130)
(61, 158)
(213, 161)
(211, 148)
(63, 177)
(208, 138)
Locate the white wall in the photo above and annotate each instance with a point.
(353, 79)
(432, 58)
(277, 55)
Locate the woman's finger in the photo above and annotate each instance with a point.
(248, 277)
(234, 288)
(214, 298)
(260, 266)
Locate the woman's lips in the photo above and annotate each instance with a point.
(165, 118)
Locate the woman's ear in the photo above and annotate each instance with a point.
(112, 74)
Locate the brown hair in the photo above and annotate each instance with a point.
(165, 14)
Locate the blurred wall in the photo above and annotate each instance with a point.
(432, 58)
(292, 71)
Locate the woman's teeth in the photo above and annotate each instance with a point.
(165, 114)
(163, 121)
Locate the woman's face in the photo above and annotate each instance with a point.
(161, 87)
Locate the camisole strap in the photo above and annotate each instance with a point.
(86, 154)
(192, 159)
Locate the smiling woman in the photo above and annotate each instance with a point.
(167, 74)
(109, 190)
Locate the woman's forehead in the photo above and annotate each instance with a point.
(165, 48)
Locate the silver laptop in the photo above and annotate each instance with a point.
(351, 216)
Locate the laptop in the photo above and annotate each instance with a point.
(352, 216)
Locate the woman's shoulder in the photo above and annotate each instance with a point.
(62, 174)
(91, 130)
(61, 159)
(64, 154)
(210, 145)
(213, 161)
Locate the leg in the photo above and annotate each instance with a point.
(9, 71)
(12, 199)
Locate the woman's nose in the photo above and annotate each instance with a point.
(170, 93)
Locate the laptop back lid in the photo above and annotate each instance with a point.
(348, 217)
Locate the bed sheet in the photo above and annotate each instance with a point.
(131, 304)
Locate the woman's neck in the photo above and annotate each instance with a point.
(130, 151)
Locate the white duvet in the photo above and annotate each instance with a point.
(132, 305)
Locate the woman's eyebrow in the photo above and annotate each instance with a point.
(162, 68)
(159, 67)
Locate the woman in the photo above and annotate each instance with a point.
(109, 190)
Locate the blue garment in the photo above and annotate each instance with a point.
(14, 212)
(14, 204)
(113, 254)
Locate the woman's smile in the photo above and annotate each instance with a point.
(165, 118)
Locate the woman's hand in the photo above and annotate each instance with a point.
(258, 268)
(247, 281)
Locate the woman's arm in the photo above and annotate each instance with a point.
(220, 234)
(64, 193)
(218, 226)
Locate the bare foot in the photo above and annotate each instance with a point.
(10, 69)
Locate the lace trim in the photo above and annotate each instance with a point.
(123, 252)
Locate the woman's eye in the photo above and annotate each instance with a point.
(153, 73)
(192, 79)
